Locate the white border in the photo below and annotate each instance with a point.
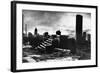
(21, 66)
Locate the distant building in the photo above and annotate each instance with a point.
(36, 32)
(26, 33)
(89, 37)
(46, 35)
(84, 35)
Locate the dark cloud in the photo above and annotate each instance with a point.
(41, 18)
(52, 21)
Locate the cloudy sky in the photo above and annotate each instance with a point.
(47, 21)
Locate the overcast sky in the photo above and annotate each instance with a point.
(47, 21)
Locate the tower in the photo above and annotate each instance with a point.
(26, 30)
(35, 31)
(79, 21)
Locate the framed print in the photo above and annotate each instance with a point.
(47, 36)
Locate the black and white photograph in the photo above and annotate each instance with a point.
(47, 36)
(53, 36)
